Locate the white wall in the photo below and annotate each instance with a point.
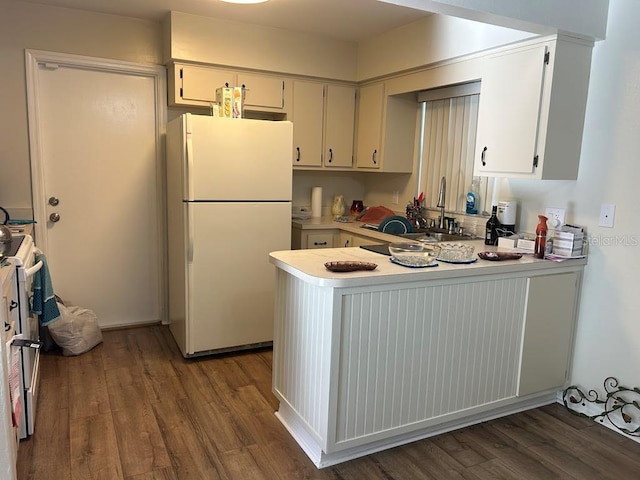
(428, 41)
(332, 183)
(582, 18)
(608, 335)
(261, 48)
(29, 26)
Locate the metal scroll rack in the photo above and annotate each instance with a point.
(620, 406)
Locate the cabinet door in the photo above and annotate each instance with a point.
(262, 90)
(345, 239)
(340, 103)
(307, 117)
(370, 115)
(548, 332)
(199, 84)
(509, 112)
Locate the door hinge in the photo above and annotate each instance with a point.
(535, 161)
(180, 73)
(546, 58)
(181, 94)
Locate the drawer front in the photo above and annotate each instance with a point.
(320, 240)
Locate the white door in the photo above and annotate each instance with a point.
(94, 133)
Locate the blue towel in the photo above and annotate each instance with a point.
(44, 300)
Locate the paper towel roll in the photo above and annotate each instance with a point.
(316, 202)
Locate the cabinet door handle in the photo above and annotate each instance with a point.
(13, 305)
(484, 162)
(297, 154)
(330, 155)
(318, 244)
(374, 156)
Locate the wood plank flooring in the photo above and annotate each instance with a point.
(133, 408)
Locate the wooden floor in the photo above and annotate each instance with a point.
(134, 408)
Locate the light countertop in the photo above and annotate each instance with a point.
(309, 265)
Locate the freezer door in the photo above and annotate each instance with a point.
(237, 159)
(230, 282)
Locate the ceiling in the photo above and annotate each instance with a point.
(349, 20)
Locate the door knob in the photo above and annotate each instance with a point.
(54, 217)
(54, 201)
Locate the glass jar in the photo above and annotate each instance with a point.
(338, 207)
(357, 207)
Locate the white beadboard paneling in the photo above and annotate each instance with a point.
(394, 345)
(301, 350)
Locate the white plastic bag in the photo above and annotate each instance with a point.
(76, 331)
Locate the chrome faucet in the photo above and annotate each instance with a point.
(441, 199)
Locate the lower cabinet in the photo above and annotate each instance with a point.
(9, 438)
(301, 239)
(548, 332)
(365, 367)
(346, 239)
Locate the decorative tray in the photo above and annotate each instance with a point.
(398, 262)
(349, 266)
(498, 256)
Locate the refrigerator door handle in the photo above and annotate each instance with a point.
(189, 166)
(190, 234)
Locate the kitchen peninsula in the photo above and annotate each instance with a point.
(367, 360)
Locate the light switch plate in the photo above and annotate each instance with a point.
(607, 212)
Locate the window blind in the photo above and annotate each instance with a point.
(448, 147)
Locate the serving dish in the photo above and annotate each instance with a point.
(397, 262)
(499, 256)
(472, 260)
(414, 254)
(349, 266)
(456, 252)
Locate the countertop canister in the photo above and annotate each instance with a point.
(316, 202)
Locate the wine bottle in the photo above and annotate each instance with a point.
(491, 235)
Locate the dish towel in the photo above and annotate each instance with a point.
(44, 299)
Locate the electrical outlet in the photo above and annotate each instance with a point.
(555, 216)
(607, 212)
(396, 195)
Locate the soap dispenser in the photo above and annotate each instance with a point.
(541, 237)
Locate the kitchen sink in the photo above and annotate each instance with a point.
(435, 236)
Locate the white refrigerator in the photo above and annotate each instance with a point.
(228, 206)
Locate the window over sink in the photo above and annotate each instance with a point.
(449, 123)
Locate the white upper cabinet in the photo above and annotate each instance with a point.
(369, 139)
(307, 117)
(195, 86)
(386, 134)
(339, 125)
(262, 90)
(323, 118)
(531, 112)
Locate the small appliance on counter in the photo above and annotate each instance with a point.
(507, 215)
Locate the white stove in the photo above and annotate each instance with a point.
(23, 251)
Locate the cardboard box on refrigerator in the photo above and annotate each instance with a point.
(229, 100)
